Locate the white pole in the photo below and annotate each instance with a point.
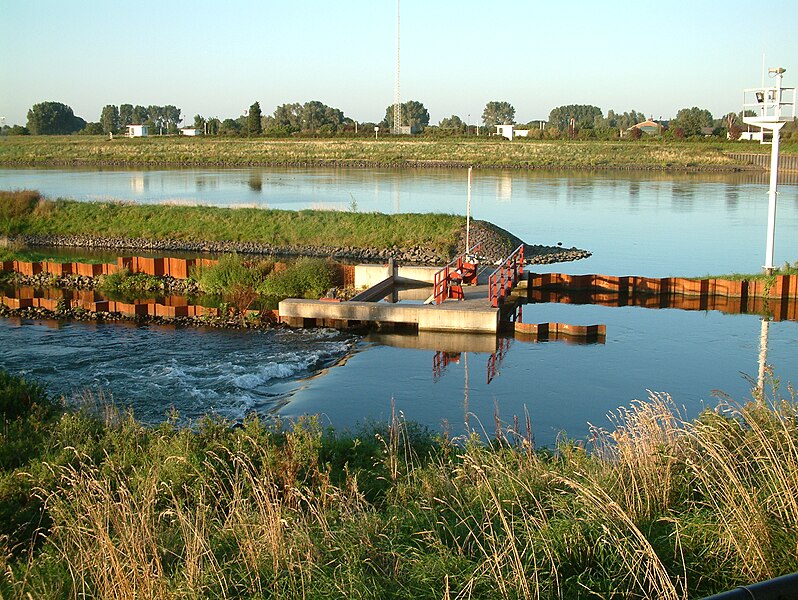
(772, 193)
(468, 215)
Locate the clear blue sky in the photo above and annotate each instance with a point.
(217, 58)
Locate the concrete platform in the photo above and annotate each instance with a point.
(473, 314)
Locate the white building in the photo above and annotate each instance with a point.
(190, 131)
(509, 131)
(137, 131)
(757, 136)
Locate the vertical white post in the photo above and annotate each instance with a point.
(772, 193)
(468, 216)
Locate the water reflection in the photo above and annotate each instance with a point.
(256, 182)
(732, 198)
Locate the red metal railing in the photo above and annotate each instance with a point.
(505, 277)
(447, 283)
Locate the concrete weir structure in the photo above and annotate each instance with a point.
(472, 314)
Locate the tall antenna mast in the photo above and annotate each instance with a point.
(397, 103)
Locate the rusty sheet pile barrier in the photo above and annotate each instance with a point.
(783, 286)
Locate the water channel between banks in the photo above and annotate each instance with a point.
(647, 224)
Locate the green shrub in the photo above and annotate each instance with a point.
(18, 397)
(125, 283)
(15, 207)
(229, 273)
(306, 278)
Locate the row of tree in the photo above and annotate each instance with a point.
(314, 117)
(115, 119)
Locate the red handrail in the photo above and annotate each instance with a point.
(442, 279)
(506, 276)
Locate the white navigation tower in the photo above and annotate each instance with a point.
(772, 107)
(397, 102)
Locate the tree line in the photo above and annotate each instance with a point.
(574, 121)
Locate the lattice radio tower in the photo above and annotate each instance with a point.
(397, 102)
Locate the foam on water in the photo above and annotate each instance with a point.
(153, 370)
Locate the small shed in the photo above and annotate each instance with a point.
(509, 131)
(137, 131)
(190, 131)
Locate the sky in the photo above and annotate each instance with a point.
(217, 58)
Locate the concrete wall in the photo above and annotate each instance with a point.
(308, 313)
(367, 275)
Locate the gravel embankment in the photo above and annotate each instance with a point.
(495, 244)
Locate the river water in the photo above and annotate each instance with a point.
(648, 224)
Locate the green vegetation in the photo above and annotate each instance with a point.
(306, 278)
(241, 282)
(124, 284)
(27, 213)
(229, 272)
(786, 269)
(94, 504)
(647, 153)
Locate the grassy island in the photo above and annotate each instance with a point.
(93, 504)
(493, 152)
(27, 213)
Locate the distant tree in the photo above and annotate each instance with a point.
(18, 130)
(584, 116)
(254, 126)
(615, 120)
(692, 120)
(735, 131)
(315, 114)
(199, 122)
(414, 114)
(230, 127)
(109, 119)
(214, 125)
(498, 113)
(139, 115)
(171, 117)
(155, 118)
(287, 118)
(125, 115)
(454, 123)
(93, 129)
(53, 118)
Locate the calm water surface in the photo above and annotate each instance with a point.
(650, 224)
(646, 224)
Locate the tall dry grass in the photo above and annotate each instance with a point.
(656, 506)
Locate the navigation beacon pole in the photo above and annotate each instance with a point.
(771, 111)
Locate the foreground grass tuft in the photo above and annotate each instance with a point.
(653, 507)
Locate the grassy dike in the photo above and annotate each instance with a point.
(422, 151)
(27, 213)
(93, 504)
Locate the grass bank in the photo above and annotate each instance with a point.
(27, 213)
(481, 152)
(92, 504)
(785, 269)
